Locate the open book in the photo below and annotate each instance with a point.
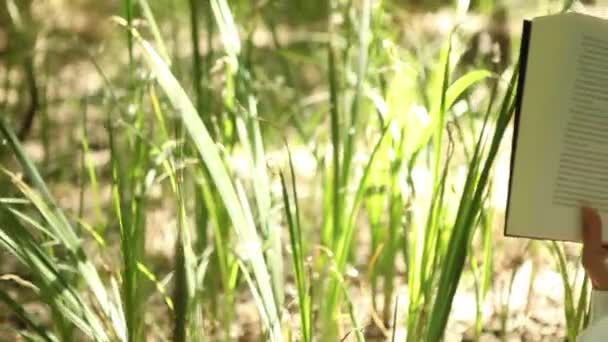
(560, 143)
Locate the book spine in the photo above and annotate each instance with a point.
(521, 82)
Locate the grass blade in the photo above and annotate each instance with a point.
(210, 156)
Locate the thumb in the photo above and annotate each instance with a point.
(592, 227)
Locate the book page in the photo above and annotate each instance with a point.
(561, 154)
(583, 166)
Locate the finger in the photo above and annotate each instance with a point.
(592, 228)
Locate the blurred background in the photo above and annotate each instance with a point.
(350, 182)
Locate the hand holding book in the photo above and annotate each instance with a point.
(595, 261)
(595, 254)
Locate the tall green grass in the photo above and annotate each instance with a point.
(25, 234)
(389, 115)
(576, 310)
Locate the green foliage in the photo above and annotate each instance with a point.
(57, 288)
(576, 311)
(198, 125)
